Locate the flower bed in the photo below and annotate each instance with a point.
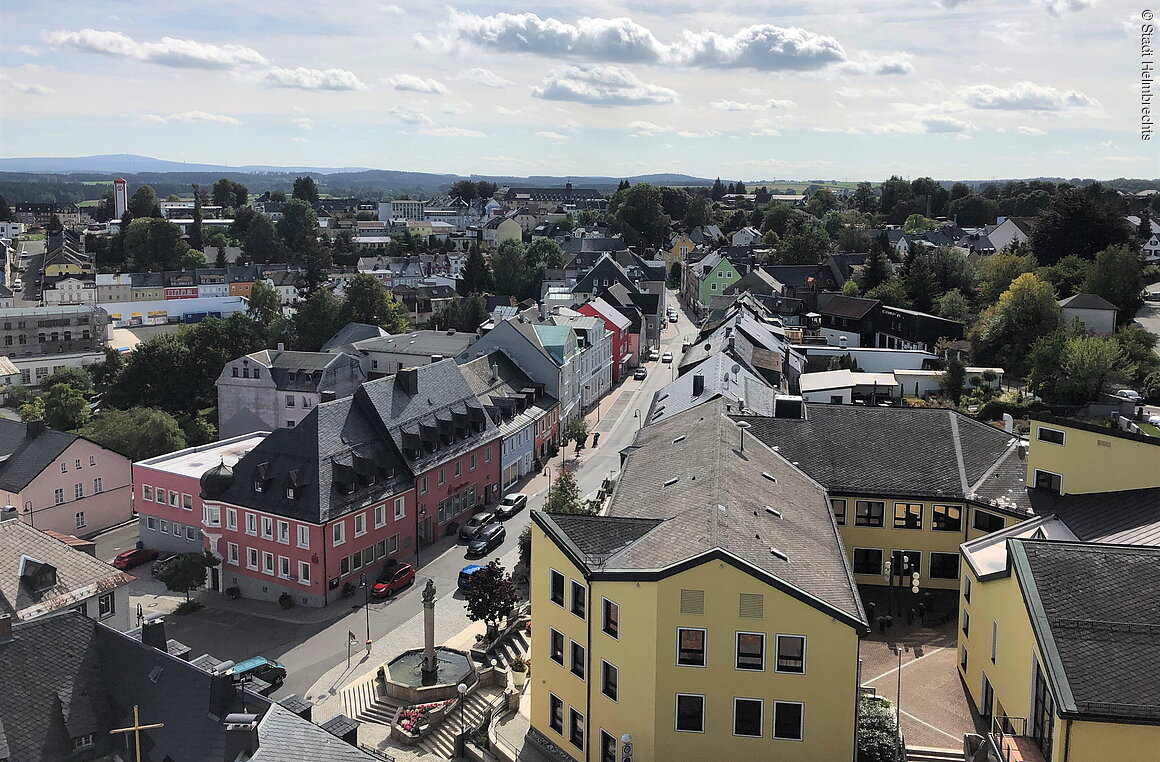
(412, 722)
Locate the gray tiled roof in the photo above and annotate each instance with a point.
(1128, 517)
(1095, 610)
(352, 332)
(677, 396)
(887, 451)
(27, 456)
(1087, 302)
(420, 343)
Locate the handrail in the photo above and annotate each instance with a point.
(1004, 727)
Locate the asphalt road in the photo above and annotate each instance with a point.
(1149, 314)
(310, 650)
(28, 297)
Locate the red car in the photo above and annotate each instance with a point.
(135, 557)
(392, 579)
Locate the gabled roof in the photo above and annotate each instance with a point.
(352, 332)
(609, 313)
(720, 380)
(26, 450)
(605, 269)
(1125, 517)
(1088, 302)
(840, 305)
(1095, 612)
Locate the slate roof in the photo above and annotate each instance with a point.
(687, 475)
(794, 276)
(420, 343)
(1128, 517)
(24, 454)
(916, 452)
(840, 305)
(604, 269)
(677, 396)
(352, 332)
(1095, 611)
(512, 399)
(1087, 302)
(78, 575)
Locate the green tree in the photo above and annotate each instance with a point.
(822, 201)
(916, 223)
(973, 210)
(196, 237)
(891, 293)
(777, 218)
(77, 378)
(953, 305)
(278, 196)
(639, 214)
(367, 301)
(805, 243)
(1067, 275)
(997, 272)
(229, 194)
(5, 211)
(896, 200)
(696, 212)
(298, 227)
(137, 433)
(877, 732)
(717, 192)
(317, 319)
(564, 496)
(1091, 365)
(509, 266)
(191, 260)
(106, 372)
(261, 243)
(675, 274)
(212, 343)
(32, 410)
(148, 379)
(491, 596)
(465, 190)
(1006, 331)
(1082, 221)
(474, 313)
(65, 408)
(953, 378)
(876, 270)
(154, 244)
(243, 218)
(54, 225)
(143, 203)
(1140, 347)
(187, 572)
(675, 201)
(305, 189)
(863, 198)
(265, 304)
(930, 195)
(1115, 275)
(198, 430)
(542, 254)
(850, 288)
(922, 287)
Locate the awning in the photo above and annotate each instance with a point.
(626, 358)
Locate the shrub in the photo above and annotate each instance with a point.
(188, 607)
(519, 665)
(877, 733)
(285, 600)
(993, 410)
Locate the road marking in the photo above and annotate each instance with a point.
(932, 727)
(904, 666)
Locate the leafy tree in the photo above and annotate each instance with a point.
(65, 408)
(805, 243)
(76, 378)
(278, 196)
(137, 433)
(317, 319)
(1091, 365)
(367, 301)
(243, 218)
(930, 194)
(525, 548)
(576, 430)
(229, 194)
(951, 269)
(465, 190)
(959, 190)
(953, 378)
(485, 189)
(1082, 221)
(32, 410)
(298, 227)
(896, 200)
(953, 305)
(148, 378)
(5, 211)
(192, 260)
(777, 218)
(509, 265)
(1143, 230)
(822, 201)
(639, 214)
(863, 198)
(1115, 275)
(1067, 275)
(474, 313)
(305, 189)
(922, 286)
(54, 225)
(850, 288)
(877, 731)
(491, 596)
(106, 372)
(196, 238)
(697, 212)
(675, 274)
(876, 270)
(198, 430)
(476, 273)
(143, 203)
(891, 293)
(261, 242)
(265, 304)
(542, 254)
(1006, 331)
(675, 201)
(154, 244)
(916, 223)
(973, 210)
(187, 571)
(565, 495)
(997, 272)
(1139, 345)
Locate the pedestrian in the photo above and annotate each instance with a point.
(596, 439)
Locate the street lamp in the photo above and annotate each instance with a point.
(626, 747)
(640, 421)
(743, 425)
(366, 586)
(462, 688)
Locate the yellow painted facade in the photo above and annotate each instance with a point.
(860, 534)
(148, 293)
(679, 251)
(649, 679)
(67, 268)
(1089, 461)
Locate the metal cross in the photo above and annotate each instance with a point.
(136, 730)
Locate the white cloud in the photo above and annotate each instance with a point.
(303, 123)
(26, 88)
(853, 93)
(192, 116)
(896, 63)
(551, 135)
(390, 10)
(408, 116)
(169, 51)
(945, 124)
(416, 84)
(1029, 130)
(452, 132)
(601, 86)
(302, 78)
(299, 140)
(642, 127)
(1058, 7)
(506, 111)
(762, 46)
(486, 77)
(27, 50)
(772, 103)
(1025, 96)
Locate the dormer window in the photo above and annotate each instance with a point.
(258, 485)
(291, 493)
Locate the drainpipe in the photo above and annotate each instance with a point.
(591, 678)
(1067, 742)
(325, 572)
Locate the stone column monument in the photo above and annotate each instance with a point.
(429, 666)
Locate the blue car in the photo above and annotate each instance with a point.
(465, 575)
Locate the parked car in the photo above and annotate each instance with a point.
(465, 575)
(135, 557)
(640, 373)
(1129, 394)
(667, 357)
(393, 578)
(477, 522)
(512, 503)
(18, 285)
(654, 355)
(490, 536)
(267, 670)
(161, 564)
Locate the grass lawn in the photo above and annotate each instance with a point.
(1149, 429)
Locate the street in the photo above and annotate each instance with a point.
(312, 648)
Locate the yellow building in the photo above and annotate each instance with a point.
(1071, 458)
(679, 247)
(711, 614)
(905, 482)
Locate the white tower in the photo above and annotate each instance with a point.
(120, 198)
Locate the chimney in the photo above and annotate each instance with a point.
(281, 347)
(842, 342)
(408, 380)
(494, 372)
(33, 429)
(698, 384)
(344, 727)
(153, 633)
(298, 706)
(543, 311)
(5, 627)
(1008, 423)
(327, 395)
(436, 358)
(221, 688)
(241, 738)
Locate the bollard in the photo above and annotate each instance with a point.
(910, 616)
(881, 624)
(889, 621)
(872, 610)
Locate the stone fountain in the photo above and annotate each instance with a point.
(420, 675)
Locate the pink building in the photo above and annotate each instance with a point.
(62, 481)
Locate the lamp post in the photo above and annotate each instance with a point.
(365, 584)
(640, 421)
(742, 426)
(462, 688)
(626, 747)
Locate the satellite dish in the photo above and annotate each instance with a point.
(735, 369)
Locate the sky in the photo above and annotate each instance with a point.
(954, 89)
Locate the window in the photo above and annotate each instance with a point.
(251, 559)
(575, 728)
(147, 493)
(174, 499)
(80, 519)
(472, 466)
(868, 513)
(77, 465)
(92, 460)
(944, 565)
(82, 742)
(487, 455)
(400, 508)
(838, 506)
(289, 400)
(164, 525)
(966, 622)
(556, 714)
(967, 589)
(963, 658)
(232, 553)
(787, 720)
(608, 679)
(905, 562)
(63, 467)
(98, 486)
(58, 496)
(232, 519)
(987, 522)
(578, 591)
(747, 717)
(908, 515)
(78, 490)
(791, 654)
(380, 516)
(267, 528)
(994, 639)
(690, 713)
(190, 533)
(577, 667)
(212, 515)
(690, 647)
(187, 501)
(268, 563)
(251, 524)
(557, 587)
(442, 476)
(1048, 481)
(176, 529)
(556, 646)
(284, 532)
(284, 567)
(867, 560)
(1053, 436)
(304, 572)
(360, 524)
(423, 486)
(339, 533)
(393, 544)
(151, 523)
(159, 495)
(946, 518)
(751, 651)
(610, 618)
(607, 747)
(304, 536)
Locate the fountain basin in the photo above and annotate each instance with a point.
(405, 680)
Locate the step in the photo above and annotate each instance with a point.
(933, 754)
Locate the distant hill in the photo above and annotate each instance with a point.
(125, 163)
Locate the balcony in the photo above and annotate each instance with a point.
(1009, 741)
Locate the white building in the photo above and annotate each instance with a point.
(400, 209)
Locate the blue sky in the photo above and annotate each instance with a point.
(969, 89)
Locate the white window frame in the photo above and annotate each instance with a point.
(737, 650)
(58, 496)
(304, 573)
(283, 532)
(616, 673)
(338, 533)
(604, 617)
(760, 717)
(252, 560)
(304, 537)
(158, 495)
(380, 516)
(232, 553)
(211, 515)
(552, 575)
(78, 491)
(777, 652)
(174, 499)
(80, 520)
(360, 524)
(98, 485)
(267, 527)
(801, 723)
(232, 519)
(704, 648)
(284, 568)
(1039, 435)
(268, 563)
(400, 508)
(146, 493)
(677, 712)
(252, 524)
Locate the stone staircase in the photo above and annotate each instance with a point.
(441, 741)
(930, 754)
(361, 701)
(516, 644)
